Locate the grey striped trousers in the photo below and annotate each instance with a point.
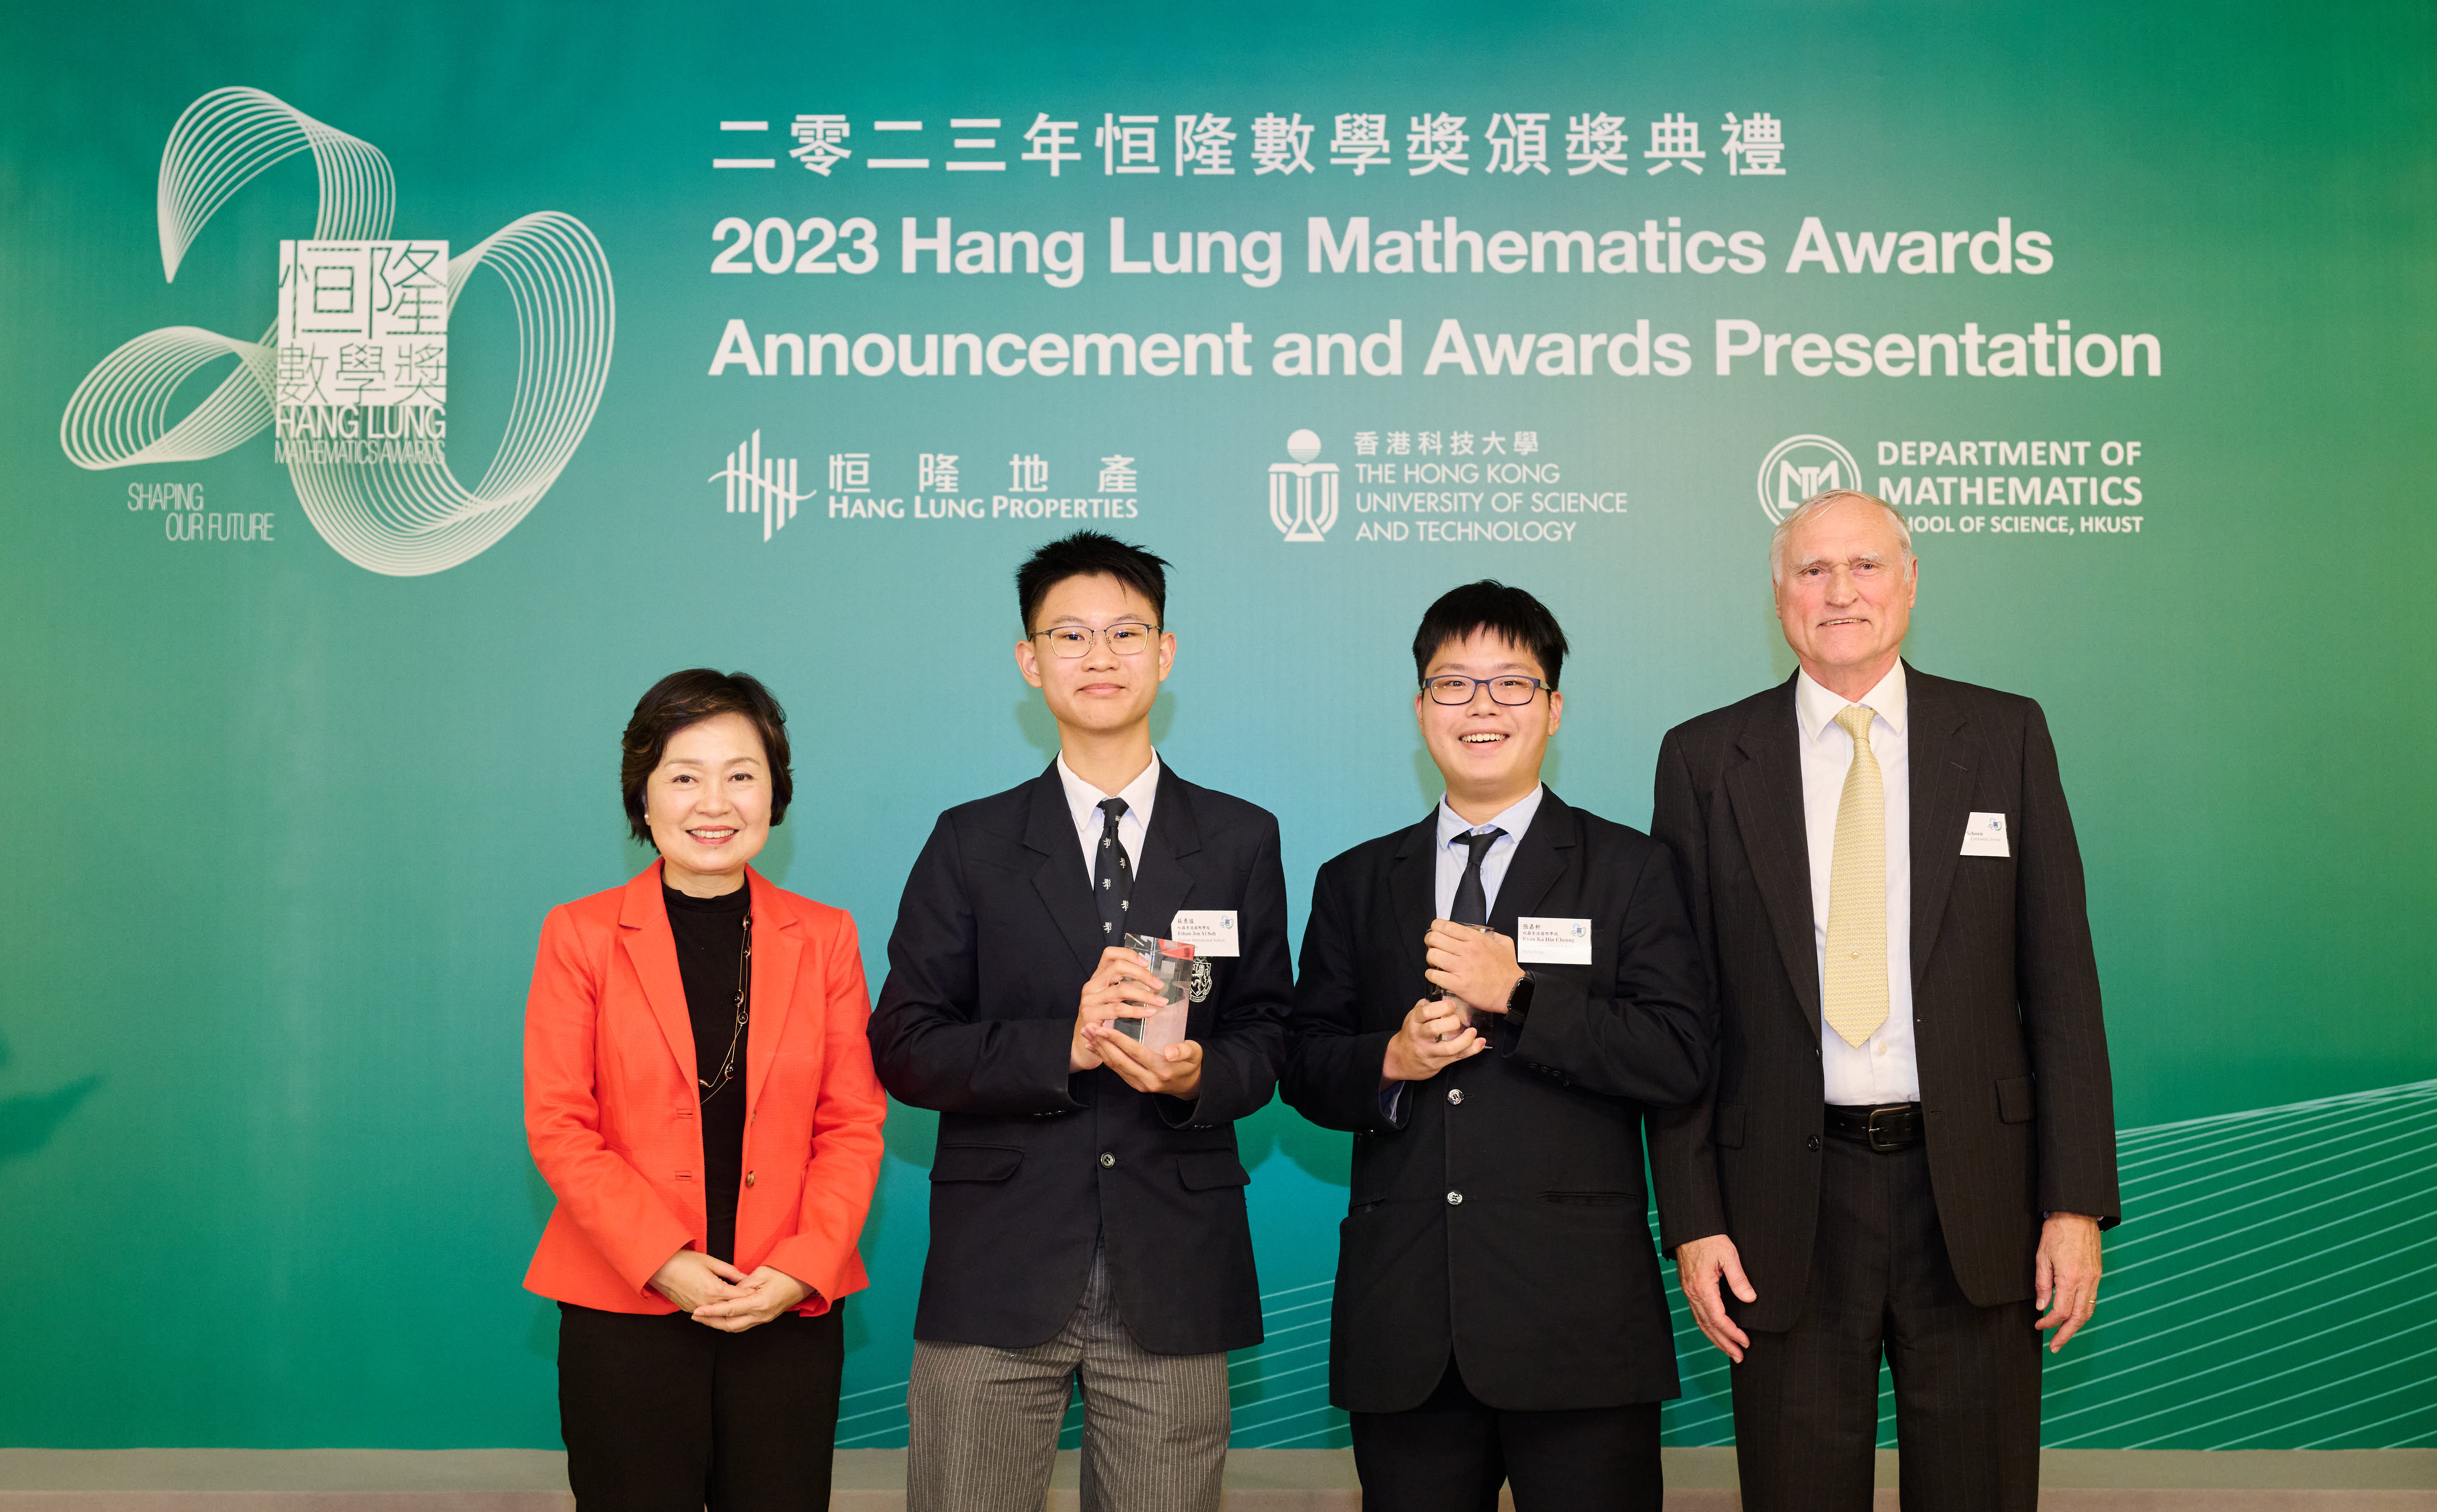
(985, 1419)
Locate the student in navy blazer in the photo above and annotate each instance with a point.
(1087, 1199)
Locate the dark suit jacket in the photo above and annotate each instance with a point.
(1541, 1280)
(2014, 1085)
(994, 940)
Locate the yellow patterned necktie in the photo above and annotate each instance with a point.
(1856, 1002)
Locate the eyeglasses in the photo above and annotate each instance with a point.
(1454, 691)
(1125, 638)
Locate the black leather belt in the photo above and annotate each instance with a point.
(1894, 1126)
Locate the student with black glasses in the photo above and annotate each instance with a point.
(1489, 1000)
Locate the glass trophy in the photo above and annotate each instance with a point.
(1171, 961)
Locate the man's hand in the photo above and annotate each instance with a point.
(1434, 1037)
(2066, 1274)
(1122, 988)
(1175, 1069)
(693, 1281)
(1474, 965)
(766, 1293)
(1699, 1267)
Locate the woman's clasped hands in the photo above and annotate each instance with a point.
(724, 1297)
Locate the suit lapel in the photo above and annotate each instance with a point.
(777, 951)
(1543, 855)
(1941, 796)
(1767, 794)
(1412, 893)
(1064, 886)
(1165, 879)
(652, 948)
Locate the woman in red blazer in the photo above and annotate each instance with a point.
(699, 1094)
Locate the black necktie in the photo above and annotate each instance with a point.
(1471, 898)
(1113, 877)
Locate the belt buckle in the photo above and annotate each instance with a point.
(1890, 1116)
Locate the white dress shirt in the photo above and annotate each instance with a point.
(1880, 1069)
(1454, 856)
(1083, 799)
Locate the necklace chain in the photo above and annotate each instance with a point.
(714, 1085)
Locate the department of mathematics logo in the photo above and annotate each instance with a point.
(352, 378)
(1798, 467)
(1303, 493)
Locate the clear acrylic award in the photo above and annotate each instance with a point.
(1171, 961)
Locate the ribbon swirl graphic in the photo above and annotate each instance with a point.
(399, 517)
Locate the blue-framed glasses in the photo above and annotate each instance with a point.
(1454, 691)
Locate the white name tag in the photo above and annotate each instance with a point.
(1209, 931)
(1553, 941)
(1984, 834)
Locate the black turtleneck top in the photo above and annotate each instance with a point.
(711, 940)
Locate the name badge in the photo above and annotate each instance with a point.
(1984, 834)
(1209, 931)
(1552, 941)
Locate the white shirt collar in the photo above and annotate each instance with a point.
(1815, 708)
(1517, 819)
(1083, 799)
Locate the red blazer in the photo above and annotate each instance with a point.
(612, 1116)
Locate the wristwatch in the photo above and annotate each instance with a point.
(1518, 1000)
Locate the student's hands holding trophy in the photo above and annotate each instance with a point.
(1471, 970)
(1434, 1037)
(1124, 987)
(1474, 965)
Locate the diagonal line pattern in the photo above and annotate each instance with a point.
(2235, 1226)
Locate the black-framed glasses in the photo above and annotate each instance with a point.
(1455, 691)
(1127, 638)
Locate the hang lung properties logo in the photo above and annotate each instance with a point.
(761, 485)
(353, 378)
(1800, 467)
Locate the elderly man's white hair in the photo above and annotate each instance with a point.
(1821, 504)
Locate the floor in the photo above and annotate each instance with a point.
(1699, 1480)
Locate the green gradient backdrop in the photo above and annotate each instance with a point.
(287, 829)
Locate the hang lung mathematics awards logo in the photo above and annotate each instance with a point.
(1799, 467)
(353, 376)
(1303, 493)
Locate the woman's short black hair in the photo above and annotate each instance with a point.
(689, 697)
(1089, 554)
(1508, 613)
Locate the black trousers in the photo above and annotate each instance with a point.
(1453, 1451)
(661, 1413)
(1967, 1378)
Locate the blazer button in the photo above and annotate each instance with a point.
(1107, 1159)
(1455, 1094)
(1455, 1198)
(749, 1178)
(1811, 1143)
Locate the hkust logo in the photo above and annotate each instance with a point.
(352, 378)
(1800, 467)
(1303, 493)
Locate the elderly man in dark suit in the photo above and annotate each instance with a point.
(1087, 1200)
(1910, 1146)
(1489, 1001)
